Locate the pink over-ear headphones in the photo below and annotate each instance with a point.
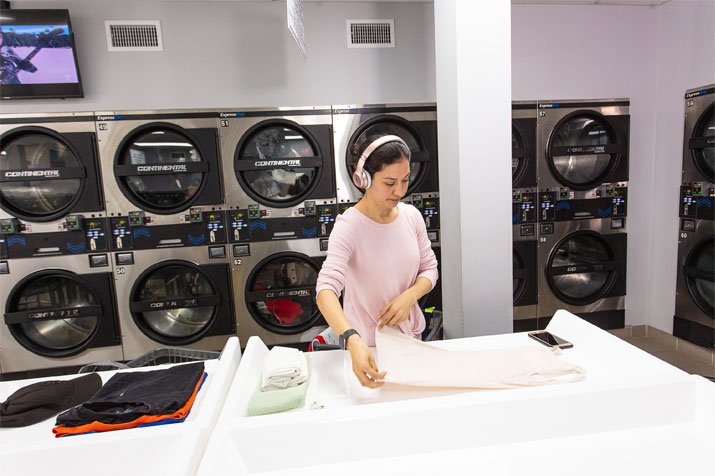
(361, 177)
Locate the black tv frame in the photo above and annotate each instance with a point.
(49, 90)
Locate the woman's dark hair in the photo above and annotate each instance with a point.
(387, 154)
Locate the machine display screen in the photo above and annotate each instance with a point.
(38, 55)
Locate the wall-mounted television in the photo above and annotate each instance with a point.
(38, 55)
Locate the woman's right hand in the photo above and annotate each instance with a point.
(364, 365)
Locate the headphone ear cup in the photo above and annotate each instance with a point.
(367, 179)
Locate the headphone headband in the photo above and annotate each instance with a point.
(361, 178)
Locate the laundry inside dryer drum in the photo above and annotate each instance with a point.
(41, 176)
(281, 294)
(44, 299)
(166, 170)
(581, 269)
(703, 144)
(276, 178)
(173, 303)
(699, 271)
(374, 129)
(582, 150)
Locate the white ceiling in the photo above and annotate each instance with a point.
(533, 2)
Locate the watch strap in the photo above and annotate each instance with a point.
(343, 339)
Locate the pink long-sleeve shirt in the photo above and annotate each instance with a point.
(375, 263)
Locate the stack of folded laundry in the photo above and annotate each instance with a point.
(284, 368)
(283, 384)
(133, 399)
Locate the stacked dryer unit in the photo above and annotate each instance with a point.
(524, 214)
(56, 282)
(694, 318)
(164, 199)
(280, 194)
(416, 124)
(582, 164)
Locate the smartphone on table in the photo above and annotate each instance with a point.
(550, 340)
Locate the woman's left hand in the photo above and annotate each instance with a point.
(397, 310)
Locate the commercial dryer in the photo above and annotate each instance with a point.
(582, 268)
(416, 124)
(582, 153)
(160, 167)
(278, 171)
(694, 318)
(49, 167)
(524, 214)
(274, 290)
(58, 311)
(699, 138)
(174, 297)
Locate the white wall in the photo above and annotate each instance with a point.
(225, 54)
(686, 60)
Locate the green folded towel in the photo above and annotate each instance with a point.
(276, 401)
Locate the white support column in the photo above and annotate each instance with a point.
(473, 63)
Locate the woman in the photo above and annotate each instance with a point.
(380, 254)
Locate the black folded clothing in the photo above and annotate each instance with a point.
(42, 400)
(131, 395)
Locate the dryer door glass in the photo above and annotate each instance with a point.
(174, 302)
(518, 154)
(581, 269)
(699, 271)
(47, 298)
(703, 144)
(580, 151)
(57, 176)
(281, 294)
(417, 150)
(278, 178)
(165, 170)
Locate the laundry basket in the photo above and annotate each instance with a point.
(158, 356)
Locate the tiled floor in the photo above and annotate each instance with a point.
(685, 356)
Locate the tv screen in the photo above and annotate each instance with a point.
(38, 55)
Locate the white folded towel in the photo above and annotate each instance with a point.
(284, 368)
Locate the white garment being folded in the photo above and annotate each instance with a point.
(283, 367)
(409, 361)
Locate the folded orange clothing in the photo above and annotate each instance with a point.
(96, 426)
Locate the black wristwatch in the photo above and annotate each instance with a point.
(343, 339)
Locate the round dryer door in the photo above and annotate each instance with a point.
(278, 163)
(396, 126)
(702, 144)
(582, 150)
(53, 313)
(280, 293)
(519, 154)
(174, 302)
(41, 177)
(581, 268)
(699, 270)
(520, 275)
(160, 169)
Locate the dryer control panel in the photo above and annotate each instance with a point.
(255, 224)
(523, 208)
(139, 232)
(696, 202)
(557, 206)
(73, 235)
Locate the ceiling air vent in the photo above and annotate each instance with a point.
(371, 33)
(133, 35)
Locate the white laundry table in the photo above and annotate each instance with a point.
(631, 409)
(174, 449)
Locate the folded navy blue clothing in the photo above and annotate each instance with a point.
(128, 396)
